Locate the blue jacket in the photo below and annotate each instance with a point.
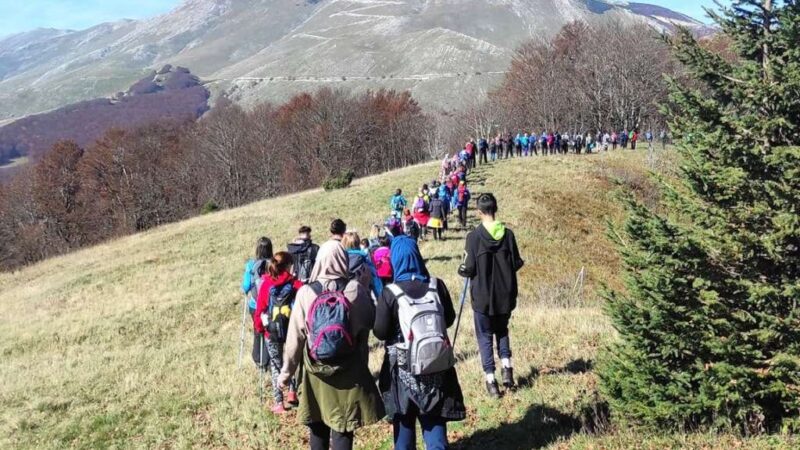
(377, 284)
(397, 203)
(248, 283)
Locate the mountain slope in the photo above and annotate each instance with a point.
(298, 44)
(133, 343)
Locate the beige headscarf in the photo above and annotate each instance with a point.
(332, 263)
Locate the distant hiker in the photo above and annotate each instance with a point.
(614, 139)
(508, 146)
(471, 150)
(422, 214)
(304, 254)
(565, 143)
(462, 203)
(648, 136)
(483, 147)
(437, 217)
(251, 282)
(411, 227)
(493, 149)
(492, 263)
(663, 137)
(398, 202)
(445, 195)
(338, 228)
(633, 136)
(271, 320)
(360, 264)
(578, 143)
(623, 139)
(381, 258)
(417, 385)
(329, 331)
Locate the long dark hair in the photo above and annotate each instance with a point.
(264, 248)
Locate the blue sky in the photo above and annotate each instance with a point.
(22, 15)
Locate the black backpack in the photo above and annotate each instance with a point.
(278, 311)
(304, 263)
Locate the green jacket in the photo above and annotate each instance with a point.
(343, 397)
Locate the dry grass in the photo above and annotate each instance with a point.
(133, 343)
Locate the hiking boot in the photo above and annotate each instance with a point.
(493, 389)
(278, 408)
(291, 398)
(508, 377)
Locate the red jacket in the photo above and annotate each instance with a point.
(262, 301)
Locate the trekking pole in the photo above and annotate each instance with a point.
(241, 338)
(261, 370)
(460, 310)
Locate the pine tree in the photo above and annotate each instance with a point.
(709, 324)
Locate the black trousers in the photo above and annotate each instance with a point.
(323, 438)
(462, 216)
(483, 158)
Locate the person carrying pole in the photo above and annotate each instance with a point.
(491, 264)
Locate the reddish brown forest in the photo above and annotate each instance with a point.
(132, 180)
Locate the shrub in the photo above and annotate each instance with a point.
(340, 181)
(209, 207)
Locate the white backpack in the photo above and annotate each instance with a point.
(428, 349)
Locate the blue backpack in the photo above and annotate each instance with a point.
(328, 325)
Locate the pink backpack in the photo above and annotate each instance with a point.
(383, 262)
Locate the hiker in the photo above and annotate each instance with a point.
(471, 150)
(329, 332)
(492, 261)
(614, 139)
(422, 214)
(663, 137)
(623, 139)
(445, 194)
(254, 269)
(508, 145)
(483, 147)
(578, 146)
(462, 203)
(633, 137)
(304, 254)
(398, 202)
(338, 228)
(495, 146)
(437, 217)
(360, 264)
(271, 320)
(364, 246)
(648, 136)
(433, 398)
(381, 258)
(524, 145)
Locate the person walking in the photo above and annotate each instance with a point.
(431, 399)
(462, 203)
(338, 394)
(437, 217)
(483, 147)
(271, 319)
(254, 269)
(304, 254)
(360, 264)
(492, 262)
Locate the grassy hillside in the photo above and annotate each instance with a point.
(134, 343)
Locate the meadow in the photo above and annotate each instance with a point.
(133, 343)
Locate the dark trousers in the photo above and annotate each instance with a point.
(323, 438)
(483, 159)
(462, 216)
(434, 431)
(487, 330)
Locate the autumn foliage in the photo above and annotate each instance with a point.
(135, 179)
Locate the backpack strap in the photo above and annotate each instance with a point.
(433, 285)
(396, 290)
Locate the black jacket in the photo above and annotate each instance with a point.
(304, 252)
(437, 209)
(447, 402)
(492, 267)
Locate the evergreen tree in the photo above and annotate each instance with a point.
(709, 324)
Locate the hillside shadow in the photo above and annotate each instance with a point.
(442, 258)
(540, 427)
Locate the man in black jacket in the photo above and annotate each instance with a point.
(492, 261)
(304, 253)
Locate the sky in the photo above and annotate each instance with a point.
(23, 15)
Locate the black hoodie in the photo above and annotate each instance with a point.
(492, 263)
(304, 253)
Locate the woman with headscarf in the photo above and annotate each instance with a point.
(433, 399)
(335, 399)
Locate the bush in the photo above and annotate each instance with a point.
(341, 181)
(209, 207)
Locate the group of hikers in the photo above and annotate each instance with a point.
(504, 146)
(314, 307)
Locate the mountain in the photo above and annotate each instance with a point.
(167, 94)
(269, 49)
